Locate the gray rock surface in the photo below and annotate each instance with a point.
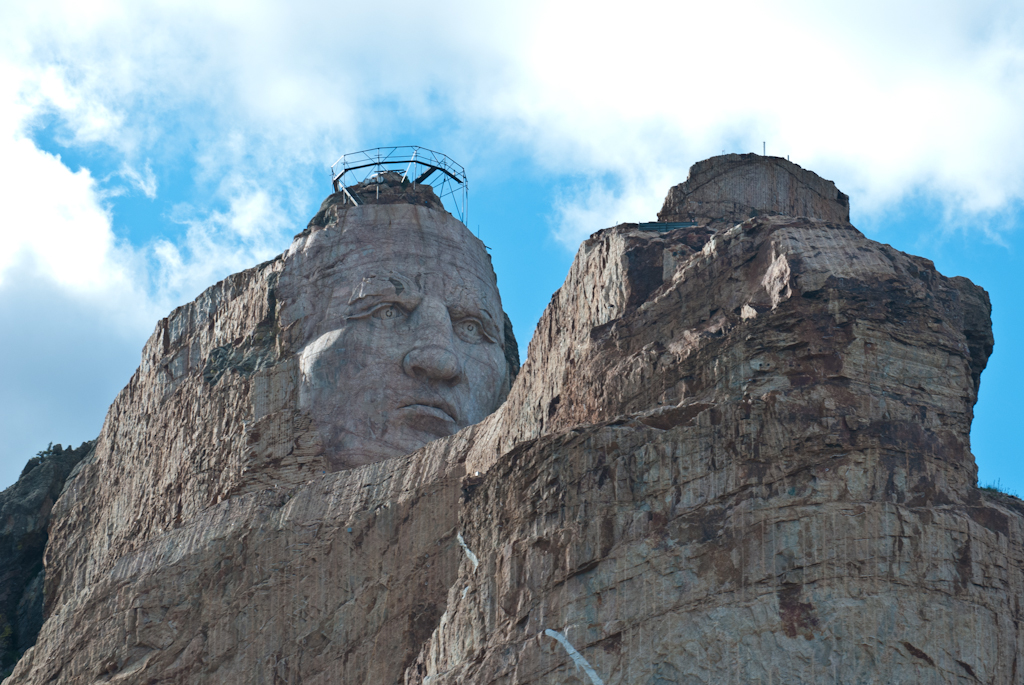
(397, 326)
(24, 518)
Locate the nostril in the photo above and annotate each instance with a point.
(432, 362)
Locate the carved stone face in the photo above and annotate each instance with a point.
(410, 349)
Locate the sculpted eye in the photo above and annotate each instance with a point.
(388, 312)
(471, 331)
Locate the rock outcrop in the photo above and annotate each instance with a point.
(759, 473)
(726, 190)
(24, 518)
(738, 452)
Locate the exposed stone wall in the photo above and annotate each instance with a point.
(788, 495)
(662, 561)
(737, 452)
(175, 441)
(213, 410)
(340, 580)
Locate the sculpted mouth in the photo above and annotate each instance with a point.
(437, 408)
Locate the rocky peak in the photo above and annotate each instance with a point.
(384, 188)
(729, 189)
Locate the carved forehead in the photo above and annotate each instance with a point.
(430, 258)
(329, 265)
(383, 281)
(410, 259)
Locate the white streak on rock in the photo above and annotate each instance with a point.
(576, 656)
(468, 551)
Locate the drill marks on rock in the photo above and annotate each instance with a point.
(575, 656)
(468, 551)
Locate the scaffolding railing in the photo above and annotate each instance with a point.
(416, 164)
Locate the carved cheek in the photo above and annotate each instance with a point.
(485, 369)
(320, 362)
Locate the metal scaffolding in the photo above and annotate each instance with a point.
(416, 164)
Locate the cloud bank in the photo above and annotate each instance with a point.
(885, 100)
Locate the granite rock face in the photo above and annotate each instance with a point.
(738, 451)
(24, 517)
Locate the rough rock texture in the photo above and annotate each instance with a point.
(214, 409)
(757, 472)
(24, 516)
(725, 190)
(732, 456)
(214, 412)
(385, 188)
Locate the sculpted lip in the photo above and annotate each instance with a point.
(439, 406)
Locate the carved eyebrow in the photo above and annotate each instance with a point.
(462, 311)
(469, 302)
(376, 289)
(380, 285)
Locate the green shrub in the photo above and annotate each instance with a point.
(997, 486)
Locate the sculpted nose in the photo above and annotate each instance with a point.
(433, 362)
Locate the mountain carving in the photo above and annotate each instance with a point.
(738, 451)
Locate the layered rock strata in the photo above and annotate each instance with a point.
(734, 454)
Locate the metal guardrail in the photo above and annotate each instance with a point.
(416, 164)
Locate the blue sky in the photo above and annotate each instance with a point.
(150, 149)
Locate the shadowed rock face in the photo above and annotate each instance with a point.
(24, 518)
(736, 453)
(761, 462)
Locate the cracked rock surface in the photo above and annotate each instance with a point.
(738, 452)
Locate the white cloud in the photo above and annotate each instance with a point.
(143, 180)
(889, 101)
(885, 100)
(219, 243)
(587, 207)
(53, 215)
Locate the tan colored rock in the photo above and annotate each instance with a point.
(734, 455)
(787, 495)
(340, 580)
(289, 370)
